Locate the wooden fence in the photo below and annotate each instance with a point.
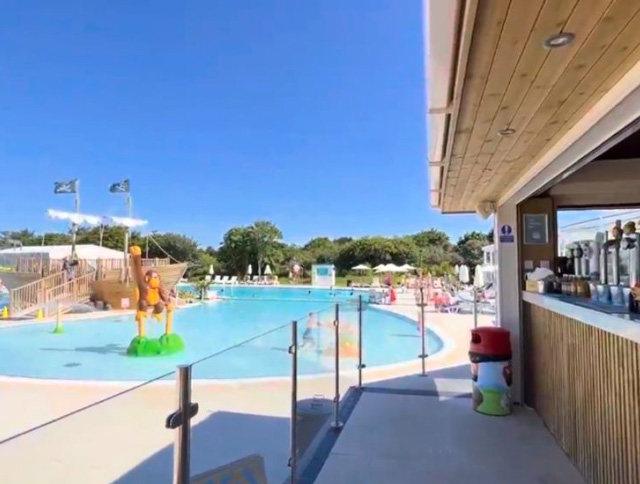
(584, 383)
(33, 294)
(45, 267)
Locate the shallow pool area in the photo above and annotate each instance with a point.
(248, 334)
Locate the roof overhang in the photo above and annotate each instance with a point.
(487, 70)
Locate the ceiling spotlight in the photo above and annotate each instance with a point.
(506, 131)
(559, 40)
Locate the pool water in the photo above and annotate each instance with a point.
(96, 349)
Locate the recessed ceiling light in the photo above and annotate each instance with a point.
(506, 132)
(559, 40)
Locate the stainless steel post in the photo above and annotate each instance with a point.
(421, 324)
(475, 307)
(293, 351)
(337, 424)
(182, 445)
(360, 364)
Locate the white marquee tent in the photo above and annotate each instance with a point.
(56, 252)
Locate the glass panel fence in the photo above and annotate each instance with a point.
(120, 437)
(244, 399)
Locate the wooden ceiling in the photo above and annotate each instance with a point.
(513, 81)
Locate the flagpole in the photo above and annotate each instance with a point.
(126, 239)
(75, 226)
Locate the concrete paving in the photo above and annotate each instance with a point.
(399, 433)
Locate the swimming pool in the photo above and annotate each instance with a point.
(95, 349)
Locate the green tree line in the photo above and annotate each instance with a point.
(261, 243)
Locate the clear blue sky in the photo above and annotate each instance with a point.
(308, 114)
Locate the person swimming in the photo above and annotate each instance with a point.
(308, 341)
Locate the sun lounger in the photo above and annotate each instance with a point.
(225, 280)
(233, 280)
(217, 280)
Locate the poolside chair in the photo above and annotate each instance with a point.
(255, 280)
(233, 280)
(225, 280)
(217, 280)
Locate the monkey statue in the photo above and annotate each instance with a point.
(150, 295)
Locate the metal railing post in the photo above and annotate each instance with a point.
(475, 307)
(360, 364)
(422, 325)
(336, 424)
(293, 351)
(182, 445)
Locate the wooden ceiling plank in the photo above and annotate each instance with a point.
(608, 70)
(578, 24)
(622, 69)
(521, 19)
(595, 46)
(583, 19)
(488, 26)
(552, 17)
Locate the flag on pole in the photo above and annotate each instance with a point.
(120, 187)
(65, 187)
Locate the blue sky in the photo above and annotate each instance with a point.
(308, 114)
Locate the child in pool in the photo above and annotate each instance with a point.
(308, 341)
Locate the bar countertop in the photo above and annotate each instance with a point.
(620, 323)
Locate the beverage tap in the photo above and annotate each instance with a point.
(592, 255)
(613, 244)
(630, 243)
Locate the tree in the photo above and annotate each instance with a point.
(265, 238)
(25, 237)
(321, 250)
(55, 238)
(342, 240)
(430, 238)
(112, 237)
(469, 248)
(179, 247)
(376, 250)
(236, 250)
(201, 268)
(201, 286)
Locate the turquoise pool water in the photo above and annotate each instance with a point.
(95, 349)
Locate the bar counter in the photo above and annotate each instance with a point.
(614, 320)
(582, 376)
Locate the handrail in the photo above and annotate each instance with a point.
(69, 292)
(33, 293)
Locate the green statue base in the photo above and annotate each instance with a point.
(58, 329)
(167, 344)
